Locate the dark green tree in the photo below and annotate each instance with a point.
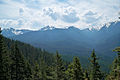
(86, 75)
(4, 60)
(43, 67)
(69, 72)
(37, 72)
(115, 70)
(74, 71)
(59, 68)
(77, 69)
(29, 72)
(18, 66)
(50, 72)
(95, 73)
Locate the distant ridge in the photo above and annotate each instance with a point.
(75, 42)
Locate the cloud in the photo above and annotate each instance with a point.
(91, 17)
(8, 23)
(34, 14)
(51, 13)
(70, 18)
(21, 1)
(70, 15)
(2, 2)
(89, 13)
(21, 10)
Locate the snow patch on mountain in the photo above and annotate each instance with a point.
(47, 28)
(8, 32)
(17, 32)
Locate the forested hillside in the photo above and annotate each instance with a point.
(20, 61)
(31, 53)
(72, 41)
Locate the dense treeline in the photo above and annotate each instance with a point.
(31, 53)
(19, 61)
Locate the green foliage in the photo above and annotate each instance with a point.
(115, 69)
(95, 73)
(20, 61)
(113, 72)
(4, 60)
(17, 61)
(50, 72)
(43, 67)
(74, 71)
(37, 73)
(29, 72)
(20, 70)
(69, 72)
(59, 67)
(86, 75)
(31, 53)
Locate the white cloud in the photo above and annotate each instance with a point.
(35, 14)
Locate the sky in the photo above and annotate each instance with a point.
(35, 14)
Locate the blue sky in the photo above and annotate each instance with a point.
(35, 14)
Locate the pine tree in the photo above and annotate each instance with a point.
(18, 66)
(113, 72)
(77, 70)
(4, 60)
(43, 70)
(69, 72)
(117, 64)
(95, 73)
(59, 68)
(86, 75)
(29, 72)
(74, 71)
(37, 72)
(115, 68)
(50, 73)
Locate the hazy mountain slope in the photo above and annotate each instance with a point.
(12, 32)
(75, 42)
(64, 40)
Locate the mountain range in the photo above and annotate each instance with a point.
(72, 41)
(9, 32)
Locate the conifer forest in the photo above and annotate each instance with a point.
(20, 61)
(59, 39)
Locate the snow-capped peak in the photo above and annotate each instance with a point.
(47, 28)
(17, 32)
(8, 32)
(14, 31)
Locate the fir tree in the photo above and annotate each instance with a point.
(4, 60)
(77, 70)
(29, 72)
(59, 68)
(37, 72)
(50, 73)
(116, 68)
(95, 73)
(18, 66)
(86, 75)
(74, 71)
(43, 70)
(69, 72)
(113, 72)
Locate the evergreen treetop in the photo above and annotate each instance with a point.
(95, 73)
